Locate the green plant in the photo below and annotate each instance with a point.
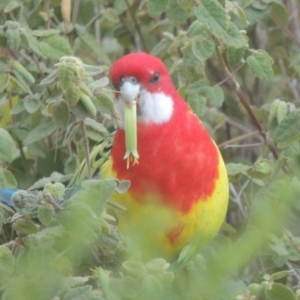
(236, 63)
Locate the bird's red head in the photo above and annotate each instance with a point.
(148, 70)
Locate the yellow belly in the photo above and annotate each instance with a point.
(147, 225)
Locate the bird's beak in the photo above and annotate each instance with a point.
(130, 91)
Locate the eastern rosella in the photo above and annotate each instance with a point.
(178, 195)
(179, 188)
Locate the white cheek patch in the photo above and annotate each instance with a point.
(154, 108)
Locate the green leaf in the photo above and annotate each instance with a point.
(279, 291)
(45, 32)
(55, 46)
(191, 60)
(187, 3)
(92, 43)
(44, 129)
(46, 213)
(12, 5)
(25, 226)
(61, 114)
(197, 103)
(72, 95)
(259, 5)
(161, 47)
(18, 108)
(111, 15)
(234, 38)
(156, 7)
(104, 103)
(13, 38)
(280, 275)
(32, 103)
(176, 13)
(10, 180)
(294, 165)
(215, 95)
(261, 169)
(280, 13)
(197, 86)
(238, 11)
(202, 46)
(235, 170)
(261, 65)
(282, 110)
(235, 55)
(78, 293)
(213, 17)
(98, 85)
(4, 80)
(95, 125)
(66, 74)
(288, 129)
(6, 146)
(196, 28)
(7, 264)
(33, 43)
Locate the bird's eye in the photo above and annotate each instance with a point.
(154, 78)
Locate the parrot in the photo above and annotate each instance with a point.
(179, 190)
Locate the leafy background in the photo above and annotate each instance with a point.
(237, 64)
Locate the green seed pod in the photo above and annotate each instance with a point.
(88, 103)
(16, 66)
(25, 226)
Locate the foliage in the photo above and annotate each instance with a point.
(236, 63)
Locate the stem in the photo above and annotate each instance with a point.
(235, 85)
(137, 26)
(75, 11)
(238, 139)
(93, 19)
(86, 148)
(52, 201)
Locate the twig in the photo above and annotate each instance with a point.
(295, 273)
(294, 20)
(268, 141)
(86, 148)
(243, 146)
(237, 197)
(75, 11)
(137, 26)
(52, 201)
(46, 9)
(292, 83)
(93, 19)
(9, 244)
(97, 26)
(226, 144)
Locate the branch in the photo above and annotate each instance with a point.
(242, 98)
(137, 26)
